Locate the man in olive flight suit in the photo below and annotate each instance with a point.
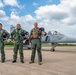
(17, 34)
(35, 37)
(4, 35)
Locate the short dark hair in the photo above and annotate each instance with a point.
(1, 24)
(18, 24)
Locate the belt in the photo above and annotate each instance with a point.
(35, 38)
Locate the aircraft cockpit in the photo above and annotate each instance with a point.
(56, 33)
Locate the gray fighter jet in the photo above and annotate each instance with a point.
(55, 38)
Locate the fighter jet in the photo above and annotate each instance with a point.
(55, 38)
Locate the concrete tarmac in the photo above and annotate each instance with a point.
(60, 62)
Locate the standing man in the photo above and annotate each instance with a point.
(17, 34)
(4, 35)
(35, 37)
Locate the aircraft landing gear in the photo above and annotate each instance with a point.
(53, 47)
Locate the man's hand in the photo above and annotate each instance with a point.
(43, 33)
(5, 39)
(29, 43)
(12, 40)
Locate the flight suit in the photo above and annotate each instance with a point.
(35, 37)
(3, 34)
(18, 45)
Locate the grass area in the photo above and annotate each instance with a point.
(48, 45)
(8, 44)
(66, 44)
(11, 44)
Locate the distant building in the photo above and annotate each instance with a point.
(12, 28)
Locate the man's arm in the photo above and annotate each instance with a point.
(8, 35)
(30, 36)
(5, 35)
(25, 33)
(41, 32)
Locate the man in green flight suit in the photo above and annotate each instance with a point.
(35, 37)
(17, 34)
(4, 35)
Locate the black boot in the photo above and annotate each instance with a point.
(3, 60)
(14, 61)
(22, 61)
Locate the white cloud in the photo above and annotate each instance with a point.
(51, 12)
(28, 18)
(61, 17)
(20, 19)
(11, 2)
(3, 16)
(35, 4)
(25, 21)
(2, 13)
(1, 4)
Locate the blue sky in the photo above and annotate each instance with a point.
(28, 6)
(56, 15)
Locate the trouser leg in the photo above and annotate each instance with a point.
(16, 47)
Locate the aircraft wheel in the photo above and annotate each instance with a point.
(29, 48)
(52, 50)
